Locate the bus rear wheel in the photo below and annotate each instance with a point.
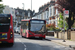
(22, 36)
(42, 38)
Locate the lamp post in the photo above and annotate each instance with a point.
(31, 8)
(64, 26)
(23, 6)
(31, 4)
(23, 9)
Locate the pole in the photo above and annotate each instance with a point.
(64, 27)
(23, 6)
(31, 4)
(23, 9)
(31, 8)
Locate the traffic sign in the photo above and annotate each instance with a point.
(66, 13)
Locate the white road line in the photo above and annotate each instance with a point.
(25, 48)
(23, 44)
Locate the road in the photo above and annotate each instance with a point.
(33, 44)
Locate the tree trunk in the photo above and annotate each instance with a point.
(69, 21)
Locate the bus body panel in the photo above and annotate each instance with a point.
(26, 33)
(9, 39)
(36, 35)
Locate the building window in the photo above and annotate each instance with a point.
(54, 11)
(51, 11)
(28, 14)
(12, 12)
(44, 15)
(47, 14)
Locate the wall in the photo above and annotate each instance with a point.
(73, 35)
(60, 35)
(50, 33)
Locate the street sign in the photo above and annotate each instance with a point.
(66, 13)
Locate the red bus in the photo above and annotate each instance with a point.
(6, 29)
(33, 28)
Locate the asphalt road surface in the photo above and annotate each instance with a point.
(33, 44)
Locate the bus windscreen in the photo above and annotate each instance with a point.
(4, 24)
(4, 19)
(38, 26)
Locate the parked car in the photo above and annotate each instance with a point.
(17, 30)
(72, 29)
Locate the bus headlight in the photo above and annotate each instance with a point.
(11, 35)
(10, 26)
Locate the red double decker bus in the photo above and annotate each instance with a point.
(33, 28)
(6, 29)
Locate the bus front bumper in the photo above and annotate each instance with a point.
(6, 41)
(37, 36)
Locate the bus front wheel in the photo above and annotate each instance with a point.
(11, 44)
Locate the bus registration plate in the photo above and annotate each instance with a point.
(36, 36)
(0, 42)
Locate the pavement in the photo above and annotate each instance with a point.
(68, 43)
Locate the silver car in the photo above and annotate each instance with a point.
(17, 30)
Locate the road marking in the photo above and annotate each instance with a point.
(23, 44)
(25, 48)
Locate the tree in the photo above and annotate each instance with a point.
(0, 0)
(68, 5)
(1, 8)
(61, 24)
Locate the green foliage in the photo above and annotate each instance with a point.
(61, 24)
(0, 0)
(61, 16)
(51, 28)
(66, 25)
(73, 24)
(1, 8)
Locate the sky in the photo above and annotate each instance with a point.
(27, 4)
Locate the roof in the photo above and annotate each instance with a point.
(25, 19)
(30, 19)
(25, 12)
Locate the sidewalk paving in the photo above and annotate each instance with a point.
(60, 41)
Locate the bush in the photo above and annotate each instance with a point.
(50, 27)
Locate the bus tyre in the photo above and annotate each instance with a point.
(25, 34)
(11, 44)
(41, 38)
(22, 36)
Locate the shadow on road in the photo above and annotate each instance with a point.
(4, 46)
(16, 46)
(38, 39)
